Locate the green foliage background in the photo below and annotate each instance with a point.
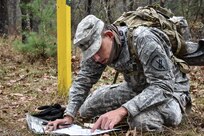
(41, 43)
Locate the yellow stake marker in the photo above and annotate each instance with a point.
(64, 45)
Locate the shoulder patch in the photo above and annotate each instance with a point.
(159, 63)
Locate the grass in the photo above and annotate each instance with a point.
(25, 86)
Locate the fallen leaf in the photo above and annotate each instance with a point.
(39, 90)
(23, 99)
(13, 81)
(9, 84)
(21, 119)
(36, 80)
(15, 115)
(54, 84)
(5, 111)
(14, 104)
(5, 107)
(26, 84)
(17, 94)
(53, 77)
(22, 77)
(7, 78)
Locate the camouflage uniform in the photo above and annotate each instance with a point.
(155, 92)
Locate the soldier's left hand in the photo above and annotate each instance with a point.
(110, 119)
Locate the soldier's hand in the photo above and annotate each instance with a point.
(59, 123)
(110, 119)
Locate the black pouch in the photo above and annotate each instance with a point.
(50, 112)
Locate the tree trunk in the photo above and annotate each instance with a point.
(162, 3)
(124, 6)
(88, 7)
(150, 2)
(199, 5)
(135, 6)
(3, 17)
(26, 21)
(131, 5)
(13, 15)
(107, 11)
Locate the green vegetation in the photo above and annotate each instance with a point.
(25, 86)
(37, 45)
(39, 42)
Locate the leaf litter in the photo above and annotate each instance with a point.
(25, 86)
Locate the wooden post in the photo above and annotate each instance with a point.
(64, 45)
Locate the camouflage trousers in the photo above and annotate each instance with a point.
(111, 97)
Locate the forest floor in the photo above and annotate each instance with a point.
(24, 86)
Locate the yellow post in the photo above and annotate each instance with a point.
(64, 45)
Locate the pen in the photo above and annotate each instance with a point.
(45, 123)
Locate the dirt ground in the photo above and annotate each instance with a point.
(24, 86)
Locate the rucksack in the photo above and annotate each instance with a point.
(155, 16)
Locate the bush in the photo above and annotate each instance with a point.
(37, 46)
(41, 42)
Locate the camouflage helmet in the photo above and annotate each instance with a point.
(88, 36)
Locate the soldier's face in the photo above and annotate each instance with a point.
(103, 55)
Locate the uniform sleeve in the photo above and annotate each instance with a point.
(157, 67)
(90, 72)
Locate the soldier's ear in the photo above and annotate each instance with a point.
(109, 33)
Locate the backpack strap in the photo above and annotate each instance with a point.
(178, 49)
(132, 52)
(183, 66)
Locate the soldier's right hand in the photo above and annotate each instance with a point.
(59, 123)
